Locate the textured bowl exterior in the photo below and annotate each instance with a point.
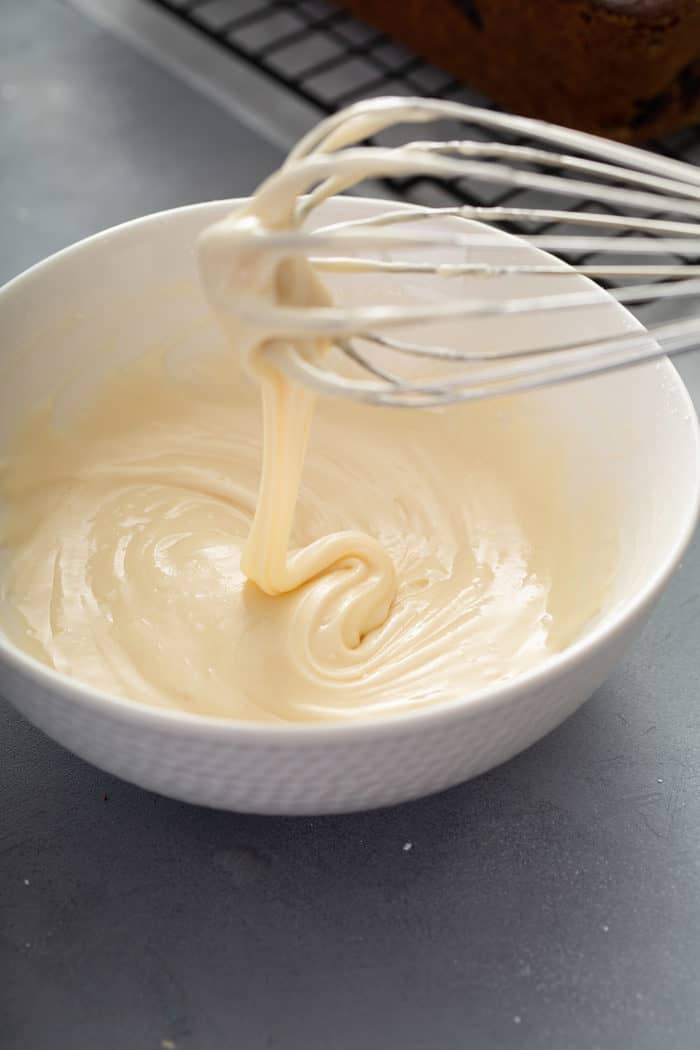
(312, 769)
(301, 771)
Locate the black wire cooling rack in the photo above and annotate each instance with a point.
(327, 57)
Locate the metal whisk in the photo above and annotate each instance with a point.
(653, 201)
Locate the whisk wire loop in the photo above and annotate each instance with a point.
(641, 237)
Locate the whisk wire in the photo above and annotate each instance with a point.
(643, 230)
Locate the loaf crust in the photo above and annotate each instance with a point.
(628, 69)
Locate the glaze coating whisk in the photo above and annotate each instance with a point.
(643, 223)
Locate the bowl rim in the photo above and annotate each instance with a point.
(297, 733)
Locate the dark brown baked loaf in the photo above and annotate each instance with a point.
(628, 69)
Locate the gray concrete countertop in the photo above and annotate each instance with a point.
(553, 903)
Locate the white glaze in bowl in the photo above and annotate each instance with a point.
(101, 302)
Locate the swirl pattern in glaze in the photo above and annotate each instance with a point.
(124, 530)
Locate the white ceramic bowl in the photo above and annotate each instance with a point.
(121, 292)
